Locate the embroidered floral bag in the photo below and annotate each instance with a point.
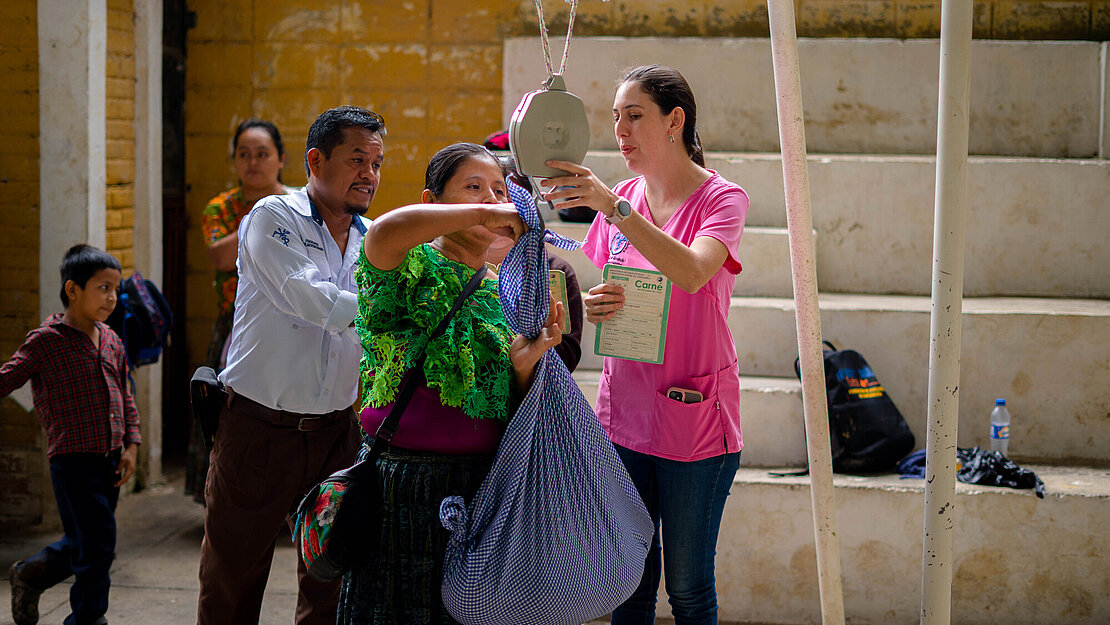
(337, 521)
(331, 543)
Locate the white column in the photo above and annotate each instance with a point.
(148, 214)
(803, 267)
(72, 55)
(1104, 101)
(73, 49)
(947, 308)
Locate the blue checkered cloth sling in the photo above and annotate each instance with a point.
(557, 532)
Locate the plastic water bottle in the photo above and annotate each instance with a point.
(1000, 427)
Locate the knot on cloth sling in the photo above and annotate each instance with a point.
(557, 533)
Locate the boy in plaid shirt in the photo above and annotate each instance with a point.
(78, 373)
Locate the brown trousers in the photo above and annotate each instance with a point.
(263, 461)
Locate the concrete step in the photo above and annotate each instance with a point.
(1031, 98)
(771, 417)
(1017, 559)
(1048, 358)
(766, 562)
(1034, 226)
(764, 253)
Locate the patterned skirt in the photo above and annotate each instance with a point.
(401, 584)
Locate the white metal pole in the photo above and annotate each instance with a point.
(795, 175)
(947, 308)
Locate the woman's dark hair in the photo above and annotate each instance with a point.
(669, 90)
(81, 262)
(327, 131)
(446, 162)
(268, 126)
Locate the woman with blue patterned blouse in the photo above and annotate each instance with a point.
(416, 261)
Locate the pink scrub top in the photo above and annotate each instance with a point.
(699, 353)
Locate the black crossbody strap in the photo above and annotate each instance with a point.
(389, 426)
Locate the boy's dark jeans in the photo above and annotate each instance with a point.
(83, 487)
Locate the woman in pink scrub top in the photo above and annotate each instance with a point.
(683, 220)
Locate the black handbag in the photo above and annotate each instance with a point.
(208, 396)
(338, 521)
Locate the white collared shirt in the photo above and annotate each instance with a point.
(291, 347)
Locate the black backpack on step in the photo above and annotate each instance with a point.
(867, 431)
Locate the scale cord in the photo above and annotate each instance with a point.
(547, 46)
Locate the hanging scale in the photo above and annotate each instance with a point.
(549, 123)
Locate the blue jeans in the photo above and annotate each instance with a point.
(687, 499)
(86, 495)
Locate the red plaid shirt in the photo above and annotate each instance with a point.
(81, 394)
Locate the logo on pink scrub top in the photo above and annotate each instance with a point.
(618, 244)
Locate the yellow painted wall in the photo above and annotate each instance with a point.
(21, 475)
(433, 69)
(120, 133)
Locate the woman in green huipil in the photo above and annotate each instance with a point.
(416, 261)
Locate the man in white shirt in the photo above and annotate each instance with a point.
(292, 369)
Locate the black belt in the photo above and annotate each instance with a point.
(112, 454)
(283, 418)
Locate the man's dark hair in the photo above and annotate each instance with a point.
(327, 131)
(81, 262)
(446, 162)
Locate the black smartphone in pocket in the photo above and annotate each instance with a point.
(684, 395)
